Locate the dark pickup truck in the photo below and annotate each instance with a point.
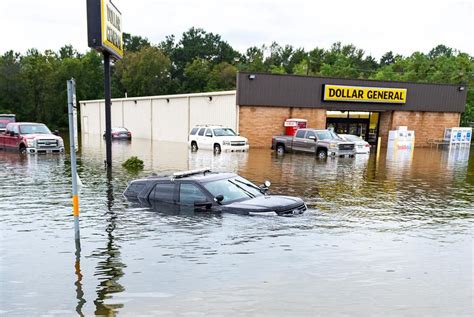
(323, 143)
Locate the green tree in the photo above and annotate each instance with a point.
(146, 72)
(222, 77)
(11, 85)
(196, 75)
(134, 43)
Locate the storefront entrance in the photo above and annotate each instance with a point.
(362, 124)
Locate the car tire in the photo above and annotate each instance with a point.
(22, 149)
(321, 153)
(280, 149)
(217, 148)
(194, 146)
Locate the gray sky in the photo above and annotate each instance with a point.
(376, 26)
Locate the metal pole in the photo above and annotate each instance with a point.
(71, 91)
(108, 120)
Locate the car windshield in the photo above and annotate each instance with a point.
(233, 189)
(224, 132)
(34, 129)
(4, 120)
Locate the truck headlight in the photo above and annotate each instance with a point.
(225, 142)
(333, 146)
(30, 143)
(61, 143)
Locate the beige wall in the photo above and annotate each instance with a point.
(162, 118)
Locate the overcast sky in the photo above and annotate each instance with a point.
(376, 26)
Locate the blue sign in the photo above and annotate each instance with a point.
(468, 136)
(459, 136)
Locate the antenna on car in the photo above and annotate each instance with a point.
(191, 172)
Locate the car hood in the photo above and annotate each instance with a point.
(232, 138)
(267, 203)
(43, 136)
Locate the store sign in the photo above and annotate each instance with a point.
(104, 27)
(364, 94)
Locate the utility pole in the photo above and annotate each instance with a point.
(108, 117)
(71, 92)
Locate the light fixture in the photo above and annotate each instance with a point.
(135, 101)
(210, 98)
(461, 88)
(252, 76)
(167, 100)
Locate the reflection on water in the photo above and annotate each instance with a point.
(391, 235)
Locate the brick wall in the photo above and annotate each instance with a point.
(427, 125)
(385, 126)
(259, 124)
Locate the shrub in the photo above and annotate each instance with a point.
(133, 164)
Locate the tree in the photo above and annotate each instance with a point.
(133, 43)
(146, 72)
(222, 77)
(11, 85)
(196, 75)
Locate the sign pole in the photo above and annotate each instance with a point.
(71, 92)
(108, 120)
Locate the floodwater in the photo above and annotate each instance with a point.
(392, 236)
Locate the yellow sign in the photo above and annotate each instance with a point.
(111, 27)
(364, 94)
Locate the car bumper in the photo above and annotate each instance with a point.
(32, 150)
(235, 148)
(341, 153)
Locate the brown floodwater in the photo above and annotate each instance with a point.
(386, 236)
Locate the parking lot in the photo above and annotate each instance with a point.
(391, 235)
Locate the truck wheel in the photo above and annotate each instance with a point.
(322, 154)
(22, 148)
(280, 149)
(194, 147)
(217, 148)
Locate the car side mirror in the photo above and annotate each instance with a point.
(265, 186)
(312, 137)
(12, 133)
(56, 132)
(203, 203)
(209, 135)
(219, 198)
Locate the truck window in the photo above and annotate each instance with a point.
(324, 135)
(201, 132)
(300, 133)
(193, 131)
(310, 133)
(15, 129)
(163, 192)
(189, 193)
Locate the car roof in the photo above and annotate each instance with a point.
(25, 123)
(203, 177)
(211, 126)
(310, 129)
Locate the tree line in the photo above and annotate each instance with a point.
(33, 85)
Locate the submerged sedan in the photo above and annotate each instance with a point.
(203, 190)
(120, 133)
(361, 146)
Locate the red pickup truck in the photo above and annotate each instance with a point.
(27, 137)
